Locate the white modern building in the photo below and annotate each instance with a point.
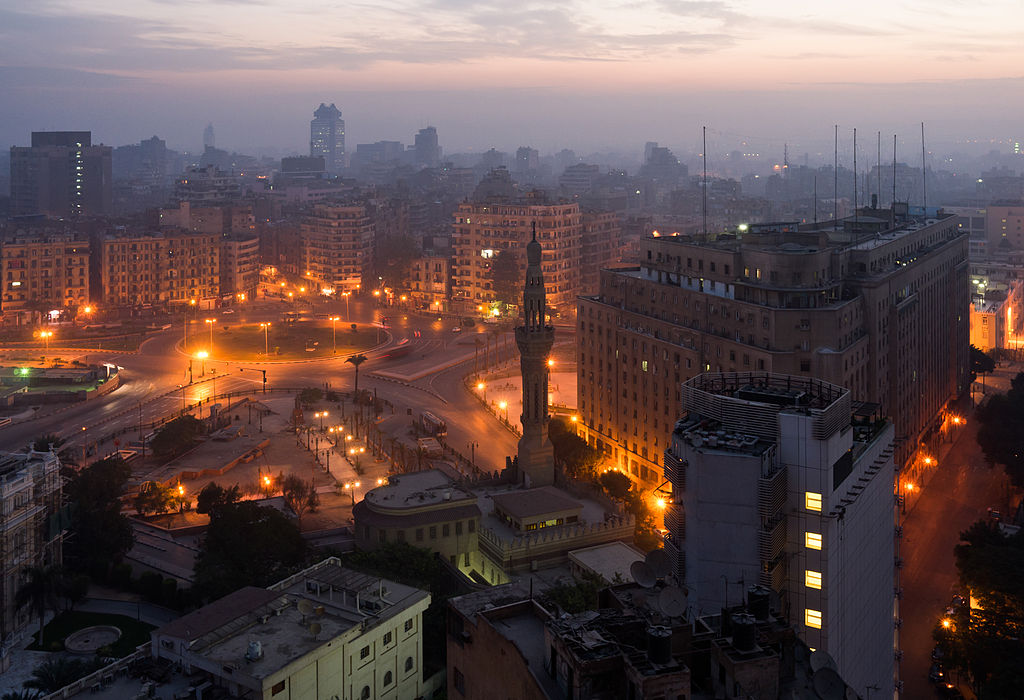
(784, 482)
(326, 632)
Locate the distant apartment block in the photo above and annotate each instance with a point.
(482, 230)
(327, 137)
(168, 268)
(61, 175)
(42, 272)
(601, 245)
(240, 266)
(430, 283)
(30, 531)
(337, 244)
(217, 218)
(875, 306)
(579, 179)
(207, 185)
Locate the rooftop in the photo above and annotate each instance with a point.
(609, 560)
(418, 489)
(534, 502)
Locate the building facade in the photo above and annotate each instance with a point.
(482, 230)
(61, 175)
(784, 482)
(327, 137)
(240, 266)
(168, 268)
(430, 282)
(601, 245)
(42, 272)
(876, 306)
(337, 245)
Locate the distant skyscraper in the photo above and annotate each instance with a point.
(327, 137)
(534, 338)
(209, 139)
(428, 153)
(61, 174)
(527, 159)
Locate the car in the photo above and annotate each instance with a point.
(995, 515)
(948, 690)
(936, 674)
(457, 329)
(468, 322)
(937, 653)
(958, 601)
(228, 311)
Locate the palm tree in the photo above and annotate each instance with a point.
(357, 360)
(40, 590)
(21, 695)
(52, 675)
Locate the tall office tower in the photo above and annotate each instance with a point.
(536, 457)
(878, 305)
(209, 138)
(527, 160)
(61, 175)
(327, 137)
(485, 229)
(786, 483)
(337, 245)
(428, 153)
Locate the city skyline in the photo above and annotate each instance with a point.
(584, 77)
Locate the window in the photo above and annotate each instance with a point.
(277, 688)
(812, 579)
(364, 652)
(446, 530)
(458, 527)
(408, 625)
(365, 694)
(812, 618)
(387, 638)
(460, 681)
(812, 501)
(388, 678)
(812, 540)
(472, 526)
(433, 532)
(408, 663)
(419, 534)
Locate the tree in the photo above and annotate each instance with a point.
(981, 362)
(247, 545)
(310, 396)
(176, 436)
(1001, 430)
(986, 641)
(299, 495)
(45, 442)
(213, 497)
(40, 589)
(577, 596)
(153, 497)
(579, 459)
(74, 588)
(506, 277)
(355, 361)
(616, 484)
(98, 534)
(21, 695)
(52, 675)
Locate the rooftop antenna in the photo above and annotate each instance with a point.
(704, 205)
(815, 198)
(878, 175)
(892, 206)
(835, 181)
(856, 216)
(924, 172)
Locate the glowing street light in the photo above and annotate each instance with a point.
(660, 503)
(334, 333)
(503, 405)
(481, 387)
(210, 322)
(351, 487)
(551, 362)
(348, 312)
(202, 355)
(320, 415)
(266, 341)
(46, 335)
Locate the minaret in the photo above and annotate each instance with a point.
(534, 338)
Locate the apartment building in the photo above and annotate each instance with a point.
(168, 268)
(30, 533)
(337, 243)
(482, 230)
(600, 246)
(239, 266)
(785, 482)
(430, 282)
(42, 272)
(878, 305)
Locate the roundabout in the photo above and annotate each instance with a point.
(284, 340)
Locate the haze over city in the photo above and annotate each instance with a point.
(591, 76)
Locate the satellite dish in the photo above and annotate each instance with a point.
(641, 573)
(659, 563)
(314, 629)
(822, 659)
(828, 685)
(672, 601)
(305, 607)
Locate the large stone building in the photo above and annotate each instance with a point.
(784, 482)
(61, 175)
(486, 229)
(326, 632)
(878, 306)
(42, 272)
(168, 268)
(31, 533)
(337, 244)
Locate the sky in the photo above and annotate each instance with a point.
(582, 74)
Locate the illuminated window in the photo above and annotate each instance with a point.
(812, 540)
(812, 501)
(812, 618)
(812, 579)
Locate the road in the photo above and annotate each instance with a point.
(155, 383)
(958, 493)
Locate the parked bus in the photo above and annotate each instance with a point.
(433, 425)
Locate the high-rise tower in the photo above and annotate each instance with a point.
(327, 137)
(534, 338)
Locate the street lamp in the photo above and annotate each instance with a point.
(320, 415)
(472, 452)
(503, 405)
(334, 333)
(211, 321)
(351, 487)
(45, 335)
(266, 341)
(202, 355)
(348, 313)
(481, 387)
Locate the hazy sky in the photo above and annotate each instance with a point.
(584, 74)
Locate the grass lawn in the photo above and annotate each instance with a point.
(286, 341)
(133, 632)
